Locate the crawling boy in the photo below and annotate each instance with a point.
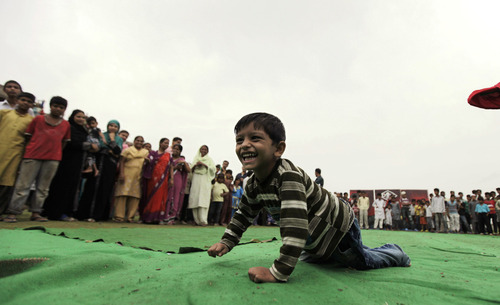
(315, 226)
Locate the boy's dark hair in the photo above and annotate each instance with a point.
(318, 170)
(57, 100)
(229, 171)
(28, 95)
(220, 176)
(436, 189)
(14, 82)
(176, 139)
(124, 131)
(91, 119)
(179, 146)
(379, 194)
(162, 139)
(265, 121)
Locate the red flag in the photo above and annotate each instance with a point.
(488, 98)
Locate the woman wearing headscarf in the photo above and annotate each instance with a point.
(203, 169)
(96, 198)
(62, 201)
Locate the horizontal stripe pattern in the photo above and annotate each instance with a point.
(310, 217)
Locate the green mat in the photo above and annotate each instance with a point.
(446, 269)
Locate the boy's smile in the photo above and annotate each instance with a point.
(256, 150)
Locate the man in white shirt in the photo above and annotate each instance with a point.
(438, 211)
(12, 89)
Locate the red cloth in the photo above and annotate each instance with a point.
(46, 140)
(488, 98)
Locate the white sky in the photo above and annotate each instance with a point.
(372, 92)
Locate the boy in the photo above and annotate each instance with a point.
(49, 134)
(314, 225)
(13, 124)
(219, 190)
(94, 136)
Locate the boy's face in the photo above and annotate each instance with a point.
(24, 103)
(220, 179)
(123, 135)
(93, 124)
(57, 110)
(256, 150)
(12, 90)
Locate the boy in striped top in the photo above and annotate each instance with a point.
(315, 226)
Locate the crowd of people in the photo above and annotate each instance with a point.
(72, 171)
(472, 213)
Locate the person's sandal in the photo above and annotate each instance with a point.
(10, 219)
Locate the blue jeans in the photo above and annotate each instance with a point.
(352, 253)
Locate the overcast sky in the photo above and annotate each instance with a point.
(372, 92)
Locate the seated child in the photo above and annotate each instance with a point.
(219, 190)
(315, 226)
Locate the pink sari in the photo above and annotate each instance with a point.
(176, 192)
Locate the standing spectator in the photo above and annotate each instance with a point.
(396, 213)
(472, 211)
(319, 180)
(405, 211)
(482, 211)
(242, 175)
(464, 224)
(49, 134)
(225, 215)
(176, 192)
(364, 205)
(497, 207)
(237, 194)
(12, 89)
(438, 212)
(175, 140)
(13, 124)
(96, 197)
(128, 187)
(388, 217)
(203, 170)
(428, 216)
(187, 214)
(379, 205)
(219, 190)
(62, 201)
(492, 215)
(454, 216)
(158, 173)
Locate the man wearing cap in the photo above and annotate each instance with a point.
(405, 212)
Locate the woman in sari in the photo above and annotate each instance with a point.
(62, 200)
(176, 192)
(203, 169)
(96, 198)
(157, 186)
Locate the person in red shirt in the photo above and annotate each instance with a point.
(48, 136)
(492, 215)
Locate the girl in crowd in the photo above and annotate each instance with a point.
(226, 212)
(62, 201)
(128, 188)
(176, 191)
(159, 172)
(96, 197)
(203, 169)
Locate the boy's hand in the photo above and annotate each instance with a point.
(218, 249)
(261, 275)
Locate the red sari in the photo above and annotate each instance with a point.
(157, 191)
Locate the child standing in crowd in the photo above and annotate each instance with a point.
(379, 205)
(388, 217)
(219, 190)
(237, 194)
(49, 134)
(128, 188)
(492, 216)
(13, 124)
(423, 217)
(314, 226)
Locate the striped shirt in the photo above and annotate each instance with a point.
(310, 217)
